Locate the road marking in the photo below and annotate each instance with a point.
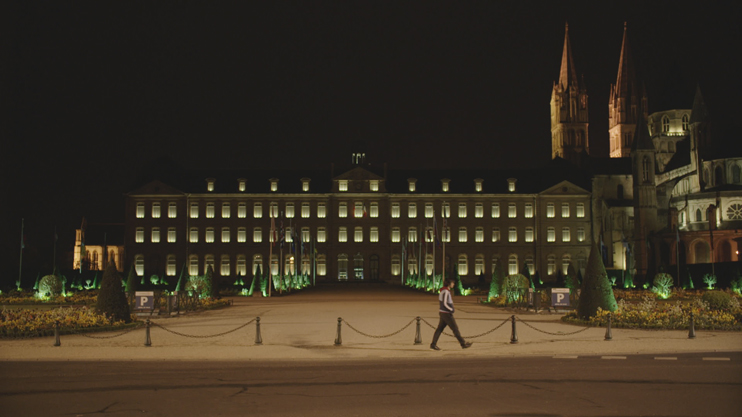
(565, 357)
(665, 358)
(716, 359)
(613, 357)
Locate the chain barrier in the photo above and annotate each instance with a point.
(127, 331)
(202, 336)
(551, 333)
(469, 337)
(379, 337)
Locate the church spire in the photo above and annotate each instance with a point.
(567, 73)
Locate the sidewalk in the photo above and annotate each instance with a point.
(303, 326)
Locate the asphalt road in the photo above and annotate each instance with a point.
(635, 385)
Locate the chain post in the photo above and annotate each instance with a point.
(258, 337)
(147, 339)
(56, 334)
(418, 338)
(513, 334)
(692, 327)
(608, 334)
(338, 339)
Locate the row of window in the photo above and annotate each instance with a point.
(359, 210)
(289, 234)
(373, 185)
(413, 264)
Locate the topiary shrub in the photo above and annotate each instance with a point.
(50, 286)
(111, 298)
(717, 300)
(515, 287)
(596, 291)
(662, 285)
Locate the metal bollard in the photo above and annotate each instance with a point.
(418, 339)
(608, 334)
(513, 335)
(258, 337)
(692, 327)
(338, 339)
(147, 340)
(56, 334)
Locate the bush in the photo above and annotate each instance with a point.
(596, 291)
(662, 285)
(50, 286)
(515, 287)
(111, 298)
(717, 300)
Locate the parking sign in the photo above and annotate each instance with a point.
(560, 297)
(145, 300)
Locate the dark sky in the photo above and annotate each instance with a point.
(93, 92)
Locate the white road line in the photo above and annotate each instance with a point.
(613, 357)
(716, 359)
(665, 358)
(565, 357)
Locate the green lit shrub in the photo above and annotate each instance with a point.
(662, 285)
(515, 287)
(50, 286)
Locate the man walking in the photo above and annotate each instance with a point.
(446, 314)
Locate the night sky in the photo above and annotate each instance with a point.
(94, 92)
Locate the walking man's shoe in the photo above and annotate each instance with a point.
(434, 347)
(466, 345)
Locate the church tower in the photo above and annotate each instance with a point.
(568, 109)
(624, 102)
(643, 162)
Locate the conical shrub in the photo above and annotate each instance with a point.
(596, 291)
(111, 298)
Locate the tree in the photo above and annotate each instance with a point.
(596, 291)
(131, 281)
(111, 298)
(213, 282)
(496, 284)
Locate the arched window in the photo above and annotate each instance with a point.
(193, 265)
(463, 264)
(396, 268)
(139, 265)
(257, 261)
(321, 265)
(479, 265)
(566, 259)
(645, 168)
(699, 216)
(736, 174)
(513, 264)
(343, 267)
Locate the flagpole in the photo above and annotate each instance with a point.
(404, 251)
(314, 264)
(677, 251)
(270, 252)
(20, 262)
(54, 261)
(443, 235)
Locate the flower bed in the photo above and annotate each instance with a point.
(32, 323)
(29, 297)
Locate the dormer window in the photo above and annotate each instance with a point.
(511, 184)
(411, 182)
(373, 185)
(210, 184)
(305, 184)
(665, 124)
(685, 122)
(242, 184)
(444, 184)
(478, 185)
(274, 184)
(343, 185)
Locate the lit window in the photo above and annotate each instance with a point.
(566, 235)
(396, 265)
(171, 235)
(305, 184)
(428, 234)
(411, 184)
(478, 210)
(513, 264)
(241, 184)
(495, 210)
(225, 235)
(193, 265)
(395, 235)
(566, 260)
(373, 235)
(342, 209)
(665, 124)
(257, 210)
(242, 210)
(374, 210)
(446, 210)
(446, 234)
(257, 235)
(444, 185)
(358, 235)
(512, 210)
(429, 210)
(209, 184)
(224, 267)
(274, 185)
(551, 265)
(512, 234)
(565, 210)
(321, 234)
(359, 209)
(462, 235)
(209, 210)
(511, 184)
(241, 268)
(685, 122)
(342, 234)
(289, 210)
(528, 212)
(463, 264)
(140, 210)
(321, 210)
(172, 210)
(155, 235)
(194, 210)
(209, 237)
(139, 236)
(374, 185)
(412, 210)
(305, 210)
(139, 264)
(479, 235)
(529, 234)
(495, 234)
(550, 234)
(462, 210)
(580, 234)
(530, 264)
(171, 266)
(580, 210)
(479, 265)
(288, 235)
(193, 235)
(305, 234)
(412, 234)
(321, 265)
(343, 185)
(226, 211)
(241, 235)
(478, 185)
(395, 210)
(550, 210)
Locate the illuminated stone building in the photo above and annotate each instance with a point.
(98, 244)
